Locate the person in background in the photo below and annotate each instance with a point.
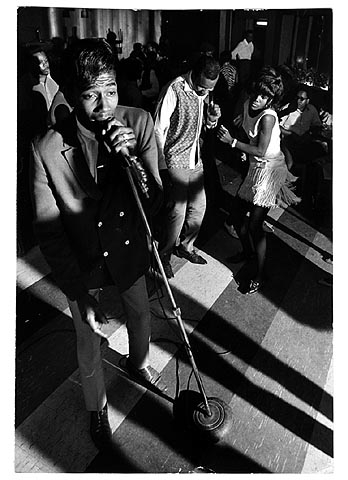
(299, 125)
(131, 72)
(182, 117)
(268, 180)
(138, 53)
(45, 85)
(87, 221)
(150, 84)
(228, 71)
(243, 53)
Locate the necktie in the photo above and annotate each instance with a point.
(102, 164)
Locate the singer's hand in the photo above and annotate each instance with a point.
(92, 314)
(118, 137)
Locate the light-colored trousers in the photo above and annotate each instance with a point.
(136, 306)
(186, 202)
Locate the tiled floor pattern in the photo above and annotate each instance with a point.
(269, 356)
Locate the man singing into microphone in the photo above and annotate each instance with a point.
(87, 221)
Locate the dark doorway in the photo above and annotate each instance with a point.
(259, 46)
(187, 30)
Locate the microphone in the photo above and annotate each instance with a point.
(131, 161)
(137, 170)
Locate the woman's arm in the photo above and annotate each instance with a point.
(264, 136)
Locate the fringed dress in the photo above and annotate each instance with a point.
(268, 182)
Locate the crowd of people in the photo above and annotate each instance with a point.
(173, 121)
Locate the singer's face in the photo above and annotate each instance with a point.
(203, 85)
(98, 101)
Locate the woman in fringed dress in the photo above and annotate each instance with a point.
(268, 183)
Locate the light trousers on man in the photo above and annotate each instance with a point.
(186, 208)
(136, 306)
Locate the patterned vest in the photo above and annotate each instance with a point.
(182, 131)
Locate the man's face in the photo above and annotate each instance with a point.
(249, 37)
(42, 62)
(302, 100)
(98, 101)
(203, 85)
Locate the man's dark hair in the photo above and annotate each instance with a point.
(138, 47)
(207, 66)
(88, 59)
(225, 56)
(305, 89)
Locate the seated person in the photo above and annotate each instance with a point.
(300, 126)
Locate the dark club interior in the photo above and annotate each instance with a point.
(255, 341)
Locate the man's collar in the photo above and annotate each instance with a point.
(188, 81)
(84, 131)
(188, 86)
(306, 108)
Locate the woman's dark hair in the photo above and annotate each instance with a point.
(269, 82)
(88, 59)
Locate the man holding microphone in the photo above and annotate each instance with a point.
(87, 221)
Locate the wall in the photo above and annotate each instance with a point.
(134, 25)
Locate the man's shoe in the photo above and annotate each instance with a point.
(100, 429)
(192, 257)
(253, 287)
(326, 281)
(148, 376)
(268, 227)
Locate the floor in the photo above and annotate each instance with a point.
(268, 357)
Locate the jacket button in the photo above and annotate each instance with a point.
(126, 242)
(121, 214)
(100, 224)
(106, 254)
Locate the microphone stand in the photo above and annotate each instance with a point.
(131, 173)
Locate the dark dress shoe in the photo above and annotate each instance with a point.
(148, 376)
(100, 429)
(192, 257)
(254, 287)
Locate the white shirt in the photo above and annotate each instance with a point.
(244, 50)
(163, 113)
(48, 89)
(89, 145)
(299, 121)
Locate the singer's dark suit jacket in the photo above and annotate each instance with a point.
(82, 229)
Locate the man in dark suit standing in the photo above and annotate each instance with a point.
(87, 221)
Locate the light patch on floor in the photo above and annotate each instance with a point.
(50, 439)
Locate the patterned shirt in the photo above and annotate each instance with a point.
(178, 123)
(229, 72)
